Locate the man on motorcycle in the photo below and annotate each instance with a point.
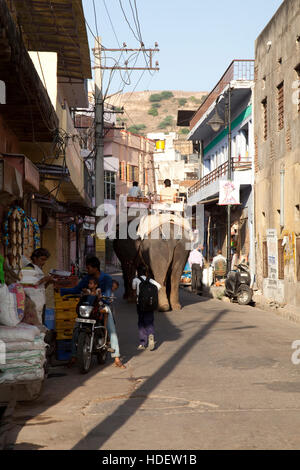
(105, 284)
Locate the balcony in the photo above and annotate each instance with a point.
(222, 170)
(239, 70)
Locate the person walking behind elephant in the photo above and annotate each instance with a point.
(145, 319)
(196, 262)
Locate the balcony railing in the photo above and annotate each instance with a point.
(222, 170)
(238, 70)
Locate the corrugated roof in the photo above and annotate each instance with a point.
(57, 26)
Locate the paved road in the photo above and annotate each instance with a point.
(220, 378)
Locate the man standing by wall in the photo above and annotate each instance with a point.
(196, 262)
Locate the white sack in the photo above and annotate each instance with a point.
(25, 376)
(22, 332)
(8, 307)
(19, 346)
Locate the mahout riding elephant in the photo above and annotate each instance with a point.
(165, 257)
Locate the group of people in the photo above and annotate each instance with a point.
(196, 261)
(167, 194)
(94, 284)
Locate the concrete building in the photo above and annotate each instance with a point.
(277, 157)
(36, 125)
(174, 159)
(204, 194)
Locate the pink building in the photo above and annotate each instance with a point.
(128, 158)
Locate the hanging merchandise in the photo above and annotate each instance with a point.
(21, 235)
(2, 280)
(36, 233)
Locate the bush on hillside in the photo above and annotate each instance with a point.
(153, 112)
(182, 101)
(157, 97)
(184, 130)
(168, 121)
(166, 95)
(137, 128)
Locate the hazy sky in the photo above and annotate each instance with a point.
(197, 39)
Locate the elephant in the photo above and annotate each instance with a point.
(165, 259)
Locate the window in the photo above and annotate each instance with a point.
(265, 259)
(109, 185)
(280, 100)
(122, 171)
(265, 118)
(280, 260)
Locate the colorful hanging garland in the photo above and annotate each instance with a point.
(36, 233)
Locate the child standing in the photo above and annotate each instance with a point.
(145, 319)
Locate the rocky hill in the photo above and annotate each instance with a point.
(155, 111)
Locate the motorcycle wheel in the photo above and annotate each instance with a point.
(244, 295)
(101, 356)
(84, 356)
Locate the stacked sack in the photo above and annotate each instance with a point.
(22, 347)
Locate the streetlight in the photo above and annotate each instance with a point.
(216, 122)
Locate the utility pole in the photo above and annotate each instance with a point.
(99, 157)
(99, 131)
(229, 179)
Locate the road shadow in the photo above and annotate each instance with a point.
(112, 423)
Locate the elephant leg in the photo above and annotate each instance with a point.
(176, 271)
(163, 302)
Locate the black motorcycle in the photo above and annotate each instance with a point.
(91, 336)
(237, 285)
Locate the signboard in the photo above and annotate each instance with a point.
(272, 244)
(229, 193)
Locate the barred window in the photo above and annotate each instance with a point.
(280, 100)
(265, 117)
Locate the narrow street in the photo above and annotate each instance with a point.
(220, 378)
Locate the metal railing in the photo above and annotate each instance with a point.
(238, 70)
(222, 170)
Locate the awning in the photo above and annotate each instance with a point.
(57, 26)
(28, 110)
(26, 168)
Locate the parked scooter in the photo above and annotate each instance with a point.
(237, 285)
(92, 338)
